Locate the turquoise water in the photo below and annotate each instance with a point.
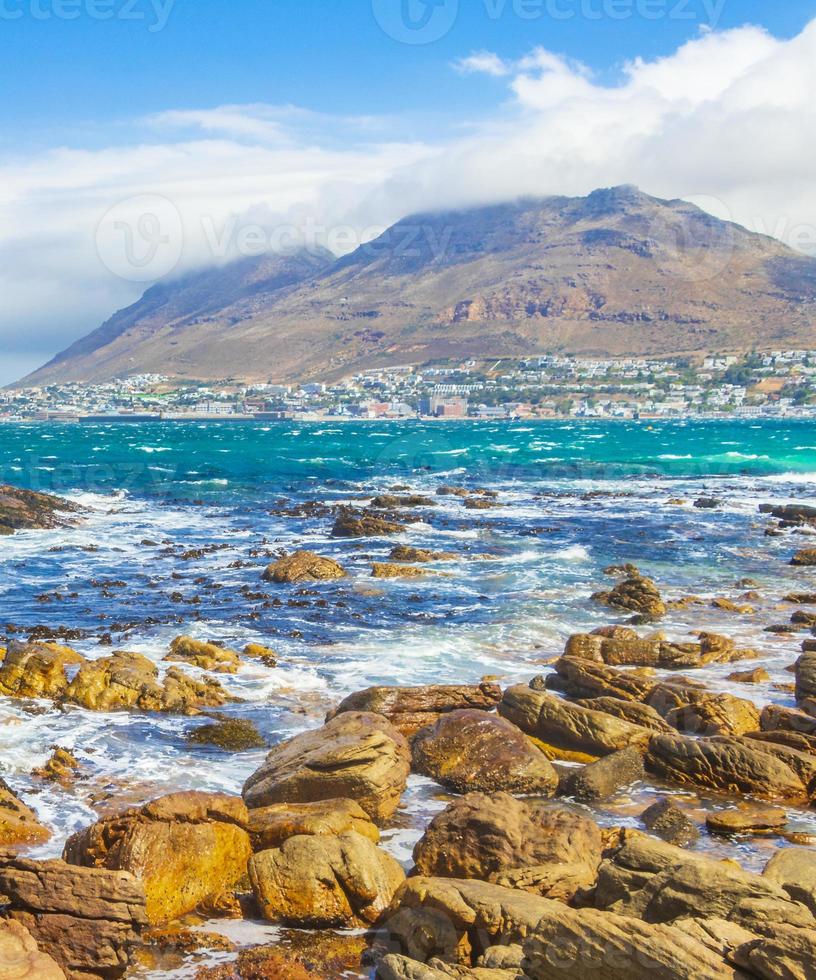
(180, 520)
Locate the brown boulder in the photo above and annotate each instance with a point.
(386, 570)
(806, 557)
(303, 566)
(667, 821)
(207, 656)
(36, 670)
(271, 826)
(129, 681)
(19, 825)
(403, 552)
(411, 708)
(363, 524)
(188, 850)
(747, 818)
(632, 711)
(583, 679)
(604, 778)
(30, 510)
(358, 756)
(20, 957)
(88, 920)
(790, 954)
(559, 724)
(325, 882)
(700, 712)
(805, 676)
(795, 870)
(471, 751)
(726, 765)
(638, 594)
(551, 851)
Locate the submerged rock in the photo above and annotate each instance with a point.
(303, 566)
(187, 849)
(325, 881)
(207, 656)
(547, 850)
(231, 734)
(88, 920)
(470, 751)
(357, 755)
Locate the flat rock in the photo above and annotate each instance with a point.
(187, 849)
(746, 819)
(207, 656)
(357, 755)
(470, 751)
(363, 524)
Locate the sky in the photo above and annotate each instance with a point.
(140, 139)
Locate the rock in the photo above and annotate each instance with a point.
(480, 503)
(668, 822)
(776, 718)
(395, 967)
(303, 566)
(207, 656)
(787, 955)
(256, 651)
(547, 850)
(187, 849)
(794, 868)
(582, 679)
(88, 920)
(28, 510)
(757, 676)
(412, 708)
(129, 681)
(393, 502)
(579, 944)
(638, 594)
(805, 677)
(385, 570)
(746, 819)
(19, 825)
(801, 598)
(707, 503)
(418, 556)
(325, 882)
(36, 670)
(725, 765)
(470, 751)
(794, 512)
(20, 957)
(602, 779)
(632, 711)
(559, 724)
(358, 756)
(271, 826)
(805, 557)
(630, 650)
(230, 734)
(728, 605)
(657, 882)
(695, 710)
(803, 618)
(61, 768)
(363, 524)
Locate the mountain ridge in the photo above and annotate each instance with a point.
(616, 272)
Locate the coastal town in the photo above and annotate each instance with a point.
(777, 383)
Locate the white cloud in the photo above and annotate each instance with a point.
(728, 120)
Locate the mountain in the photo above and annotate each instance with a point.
(617, 272)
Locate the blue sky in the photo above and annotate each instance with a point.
(267, 110)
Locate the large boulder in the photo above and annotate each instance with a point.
(207, 656)
(271, 826)
(325, 881)
(303, 566)
(19, 825)
(637, 594)
(20, 957)
(30, 510)
(88, 920)
(37, 670)
(725, 765)
(632, 711)
(580, 678)
(790, 954)
(358, 756)
(658, 882)
(692, 709)
(470, 751)
(551, 851)
(806, 677)
(795, 870)
(411, 708)
(130, 681)
(561, 725)
(187, 849)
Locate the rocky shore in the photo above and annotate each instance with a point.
(522, 872)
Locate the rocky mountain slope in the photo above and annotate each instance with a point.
(617, 272)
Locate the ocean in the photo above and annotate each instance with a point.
(180, 520)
